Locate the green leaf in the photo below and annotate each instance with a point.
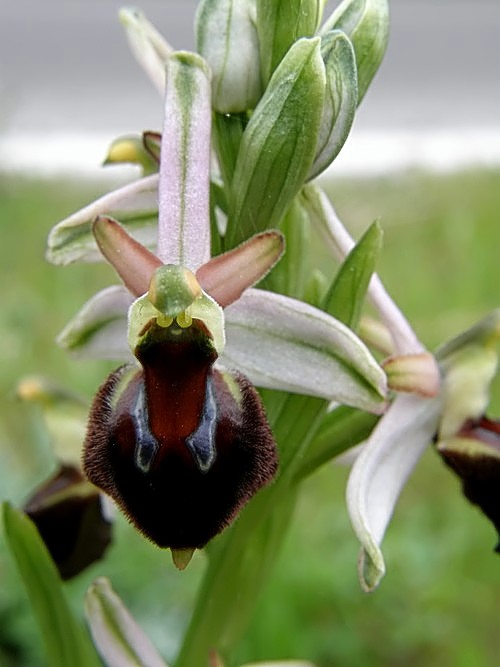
(366, 23)
(345, 297)
(341, 429)
(279, 143)
(65, 638)
(120, 640)
(228, 131)
(289, 275)
(280, 23)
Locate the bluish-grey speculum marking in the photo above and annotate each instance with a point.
(146, 444)
(201, 443)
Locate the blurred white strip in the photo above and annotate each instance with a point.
(61, 154)
(438, 149)
(366, 152)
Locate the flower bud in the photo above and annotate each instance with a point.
(366, 23)
(132, 149)
(68, 513)
(227, 38)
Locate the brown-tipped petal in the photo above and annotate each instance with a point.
(227, 276)
(182, 557)
(132, 261)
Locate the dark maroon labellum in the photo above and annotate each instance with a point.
(180, 446)
(478, 470)
(68, 514)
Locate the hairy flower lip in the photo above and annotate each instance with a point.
(181, 471)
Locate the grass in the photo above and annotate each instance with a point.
(438, 603)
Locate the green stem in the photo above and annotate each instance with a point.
(240, 560)
(342, 428)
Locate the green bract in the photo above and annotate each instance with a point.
(279, 143)
(345, 296)
(280, 23)
(366, 23)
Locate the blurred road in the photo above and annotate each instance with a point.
(65, 67)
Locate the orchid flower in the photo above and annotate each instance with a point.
(467, 440)
(72, 517)
(274, 340)
(344, 369)
(441, 396)
(292, 355)
(452, 414)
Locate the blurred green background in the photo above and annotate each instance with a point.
(439, 604)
